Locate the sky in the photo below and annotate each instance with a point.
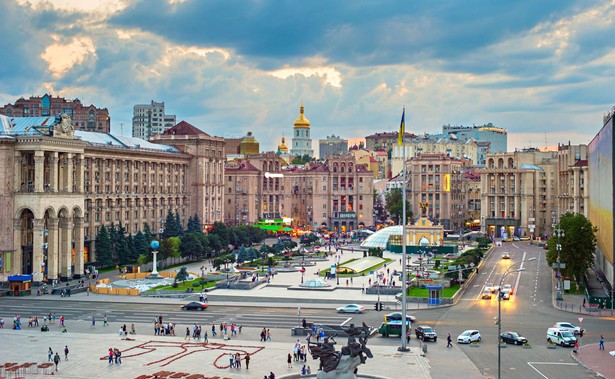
(543, 70)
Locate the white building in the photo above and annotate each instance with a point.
(301, 141)
(149, 120)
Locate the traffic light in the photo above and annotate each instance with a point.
(377, 306)
(381, 306)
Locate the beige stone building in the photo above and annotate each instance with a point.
(437, 179)
(60, 186)
(519, 193)
(573, 182)
(337, 193)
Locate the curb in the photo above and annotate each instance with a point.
(574, 356)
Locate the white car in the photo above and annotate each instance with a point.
(469, 336)
(576, 330)
(489, 287)
(508, 288)
(351, 308)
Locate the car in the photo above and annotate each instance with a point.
(506, 255)
(486, 295)
(393, 328)
(561, 337)
(194, 305)
(576, 330)
(505, 295)
(513, 338)
(351, 308)
(524, 238)
(489, 287)
(508, 287)
(515, 238)
(425, 332)
(469, 336)
(396, 316)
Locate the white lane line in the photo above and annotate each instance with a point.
(516, 289)
(531, 364)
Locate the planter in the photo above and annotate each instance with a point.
(503, 345)
(527, 346)
(551, 346)
(474, 344)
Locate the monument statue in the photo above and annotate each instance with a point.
(63, 126)
(424, 207)
(342, 364)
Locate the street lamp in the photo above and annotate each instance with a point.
(508, 271)
(559, 233)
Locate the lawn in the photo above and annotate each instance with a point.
(422, 292)
(364, 272)
(182, 286)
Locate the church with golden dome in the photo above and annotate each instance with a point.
(301, 141)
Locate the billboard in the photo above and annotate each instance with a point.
(446, 185)
(601, 193)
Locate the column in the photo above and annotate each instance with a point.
(53, 172)
(78, 236)
(69, 172)
(79, 173)
(39, 165)
(65, 248)
(52, 249)
(37, 249)
(17, 255)
(17, 172)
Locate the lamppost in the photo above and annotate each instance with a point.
(500, 293)
(559, 233)
(337, 273)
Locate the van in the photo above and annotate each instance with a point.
(393, 328)
(560, 337)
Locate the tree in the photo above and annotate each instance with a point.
(191, 245)
(169, 226)
(147, 232)
(222, 231)
(141, 245)
(182, 275)
(104, 254)
(577, 245)
(179, 229)
(394, 205)
(194, 225)
(121, 247)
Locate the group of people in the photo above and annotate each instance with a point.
(196, 333)
(265, 335)
(115, 355)
(55, 357)
(235, 360)
(299, 352)
(124, 331)
(163, 329)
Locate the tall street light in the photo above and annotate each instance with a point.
(500, 293)
(559, 233)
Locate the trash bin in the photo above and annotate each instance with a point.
(424, 348)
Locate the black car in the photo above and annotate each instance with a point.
(196, 305)
(396, 316)
(425, 333)
(513, 338)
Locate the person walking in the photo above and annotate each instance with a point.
(66, 352)
(448, 341)
(49, 355)
(601, 347)
(105, 323)
(110, 356)
(289, 360)
(93, 322)
(56, 360)
(247, 361)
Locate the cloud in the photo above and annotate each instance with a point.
(61, 57)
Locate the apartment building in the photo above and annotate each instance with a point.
(150, 119)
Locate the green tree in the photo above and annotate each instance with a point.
(215, 244)
(147, 232)
(179, 229)
(194, 225)
(394, 205)
(182, 275)
(169, 226)
(121, 245)
(176, 244)
(222, 231)
(141, 245)
(191, 246)
(103, 248)
(577, 245)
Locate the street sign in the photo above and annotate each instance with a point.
(371, 272)
(580, 319)
(561, 265)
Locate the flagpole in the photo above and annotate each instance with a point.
(404, 330)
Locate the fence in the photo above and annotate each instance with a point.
(591, 309)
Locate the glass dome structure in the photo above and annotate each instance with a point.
(315, 283)
(381, 237)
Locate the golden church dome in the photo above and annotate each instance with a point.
(302, 122)
(282, 147)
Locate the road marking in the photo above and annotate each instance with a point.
(531, 364)
(516, 288)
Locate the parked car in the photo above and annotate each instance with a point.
(351, 308)
(486, 295)
(561, 337)
(469, 336)
(576, 330)
(506, 255)
(194, 305)
(515, 238)
(513, 338)
(524, 238)
(425, 333)
(396, 316)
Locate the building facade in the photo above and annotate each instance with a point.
(61, 186)
(491, 138)
(437, 179)
(336, 193)
(84, 117)
(150, 119)
(519, 193)
(573, 181)
(332, 145)
(301, 141)
(384, 141)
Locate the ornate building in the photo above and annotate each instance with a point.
(88, 118)
(59, 186)
(301, 142)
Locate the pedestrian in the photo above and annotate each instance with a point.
(289, 360)
(237, 360)
(408, 334)
(205, 339)
(105, 323)
(110, 356)
(132, 329)
(118, 356)
(268, 335)
(601, 347)
(448, 341)
(247, 361)
(49, 355)
(66, 352)
(303, 370)
(576, 346)
(56, 360)
(231, 360)
(93, 322)
(584, 302)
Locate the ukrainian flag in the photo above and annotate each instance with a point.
(402, 129)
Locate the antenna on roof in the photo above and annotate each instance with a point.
(121, 128)
(546, 146)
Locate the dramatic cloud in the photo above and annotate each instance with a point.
(543, 70)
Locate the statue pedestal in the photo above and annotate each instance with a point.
(344, 370)
(154, 274)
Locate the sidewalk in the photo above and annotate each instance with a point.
(574, 304)
(599, 361)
